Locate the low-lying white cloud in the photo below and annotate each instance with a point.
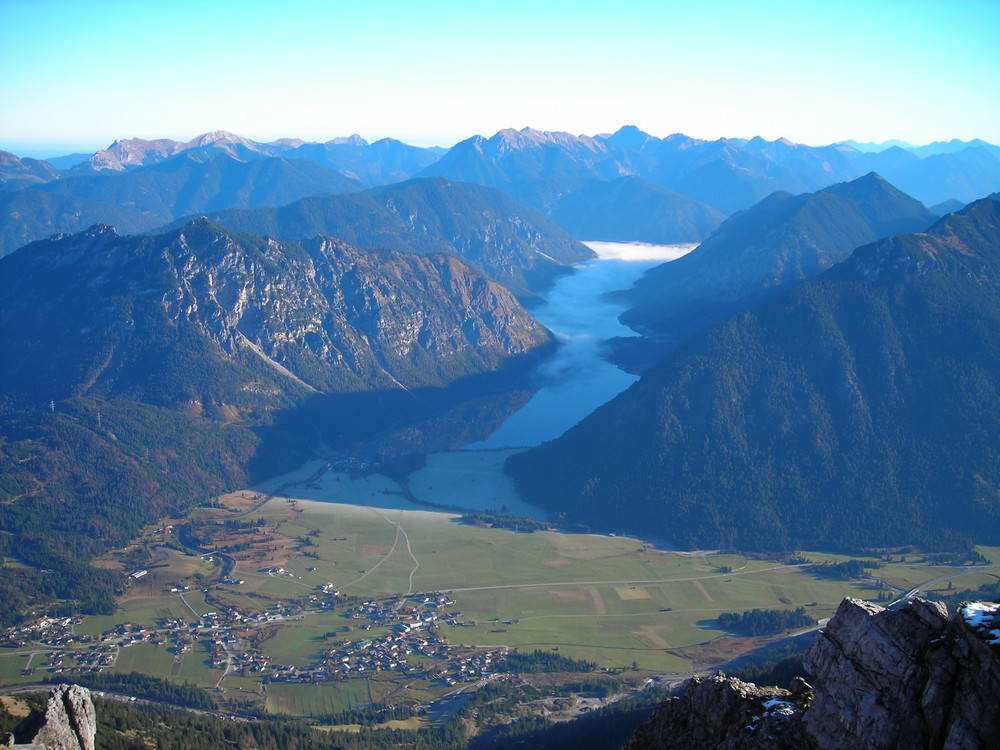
(639, 251)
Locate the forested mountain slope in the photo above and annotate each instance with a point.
(756, 253)
(634, 209)
(860, 409)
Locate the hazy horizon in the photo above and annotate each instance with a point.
(38, 151)
(76, 74)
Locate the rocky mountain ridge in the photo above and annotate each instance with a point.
(384, 161)
(882, 680)
(777, 243)
(507, 242)
(68, 722)
(321, 316)
(129, 153)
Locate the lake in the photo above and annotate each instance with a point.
(578, 377)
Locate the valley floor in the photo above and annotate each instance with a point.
(328, 590)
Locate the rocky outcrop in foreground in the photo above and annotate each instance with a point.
(68, 722)
(911, 678)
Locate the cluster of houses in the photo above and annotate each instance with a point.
(409, 642)
(385, 653)
(412, 642)
(422, 610)
(248, 662)
(50, 631)
(412, 645)
(406, 652)
(94, 659)
(472, 667)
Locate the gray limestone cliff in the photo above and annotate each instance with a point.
(68, 722)
(884, 680)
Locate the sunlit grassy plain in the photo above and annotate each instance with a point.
(608, 599)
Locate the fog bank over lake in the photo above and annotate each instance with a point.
(578, 378)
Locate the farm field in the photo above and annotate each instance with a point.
(300, 641)
(11, 664)
(146, 658)
(147, 611)
(195, 665)
(317, 700)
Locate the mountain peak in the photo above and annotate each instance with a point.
(219, 136)
(872, 178)
(528, 137)
(100, 229)
(758, 142)
(353, 140)
(202, 224)
(287, 143)
(868, 187)
(627, 137)
(629, 130)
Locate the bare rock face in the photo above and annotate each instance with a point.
(726, 714)
(885, 680)
(900, 679)
(67, 723)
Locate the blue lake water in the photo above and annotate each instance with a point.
(578, 378)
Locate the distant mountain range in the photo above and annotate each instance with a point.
(509, 243)
(634, 208)
(380, 163)
(715, 173)
(781, 241)
(728, 174)
(930, 149)
(858, 410)
(131, 153)
(139, 185)
(149, 196)
(625, 186)
(18, 173)
(964, 175)
(193, 182)
(368, 164)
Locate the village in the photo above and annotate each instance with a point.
(401, 635)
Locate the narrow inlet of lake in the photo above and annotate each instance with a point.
(578, 378)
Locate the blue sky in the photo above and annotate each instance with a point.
(77, 74)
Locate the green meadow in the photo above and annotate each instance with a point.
(316, 700)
